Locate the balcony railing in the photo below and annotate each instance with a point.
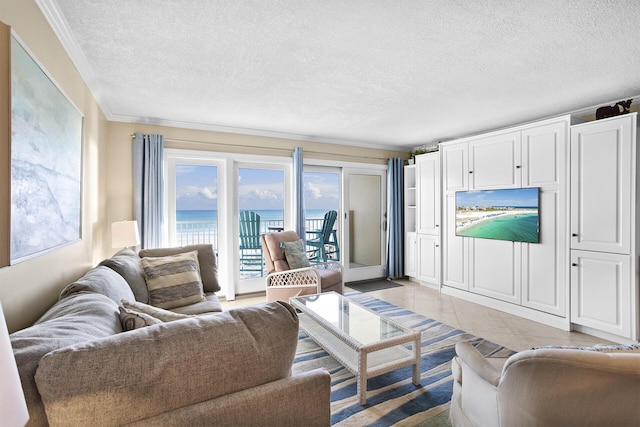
(206, 232)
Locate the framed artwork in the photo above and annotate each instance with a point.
(46, 161)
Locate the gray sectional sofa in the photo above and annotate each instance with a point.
(79, 366)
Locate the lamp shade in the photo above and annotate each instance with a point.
(124, 234)
(13, 408)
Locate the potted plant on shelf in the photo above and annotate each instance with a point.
(414, 153)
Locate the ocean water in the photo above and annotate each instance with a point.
(519, 228)
(265, 215)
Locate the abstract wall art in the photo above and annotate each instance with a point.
(46, 161)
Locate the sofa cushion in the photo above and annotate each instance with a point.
(80, 317)
(294, 252)
(149, 371)
(131, 319)
(157, 313)
(101, 280)
(173, 280)
(127, 263)
(210, 304)
(206, 260)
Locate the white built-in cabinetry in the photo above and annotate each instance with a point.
(604, 285)
(583, 273)
(532, 278)
(422, 257)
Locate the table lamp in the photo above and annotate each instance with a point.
(13, 407)
(124, 234)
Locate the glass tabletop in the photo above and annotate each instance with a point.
(349, 317)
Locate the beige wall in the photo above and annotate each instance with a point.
(29, 288)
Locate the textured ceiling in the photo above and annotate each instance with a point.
(378, 73)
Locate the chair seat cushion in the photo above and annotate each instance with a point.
(330, 280)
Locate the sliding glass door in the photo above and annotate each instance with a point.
(228, 201)
(363, 220)
(261, 201)
(321, 197)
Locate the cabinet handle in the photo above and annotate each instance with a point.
(437, 246)
(518, 167)
(574, 264)
(574, 235)
(470, 171)
(437, 225)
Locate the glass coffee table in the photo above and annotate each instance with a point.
(365, 342)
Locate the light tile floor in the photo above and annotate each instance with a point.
(501, 328)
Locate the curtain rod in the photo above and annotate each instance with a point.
(285, 150)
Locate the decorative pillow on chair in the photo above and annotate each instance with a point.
(294, 252)
(173, 281)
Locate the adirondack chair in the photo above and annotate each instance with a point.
(250, 247)
(324, 242)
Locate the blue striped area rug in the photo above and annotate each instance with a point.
(392, 399)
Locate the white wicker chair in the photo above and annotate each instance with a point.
(284, 283)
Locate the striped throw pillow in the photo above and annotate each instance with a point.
(174, 280)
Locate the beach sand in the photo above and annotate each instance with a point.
(466, 219)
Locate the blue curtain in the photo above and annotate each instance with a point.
(395, 218)
(148, 207)
(298, 193)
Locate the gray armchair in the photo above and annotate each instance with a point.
(546, 387)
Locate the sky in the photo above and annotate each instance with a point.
(516, 197)
(258, 189)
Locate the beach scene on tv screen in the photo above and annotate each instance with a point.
(508, 214)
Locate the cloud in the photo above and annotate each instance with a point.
(208, 193)
(313, 190)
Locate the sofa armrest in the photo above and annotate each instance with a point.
(300, 400)
(473, 359)
(142, 373)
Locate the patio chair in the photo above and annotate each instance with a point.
(324, 241)
(251, 258)
(284, 282)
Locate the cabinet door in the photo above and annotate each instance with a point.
(494, 269)
(428, 189)
(544, 265)
(544, 155)
(545, 150)
(428, 258)
(455, 163)
(601, 291)
(494, 162)
(454, 250)
(601, 183)
(410, 255)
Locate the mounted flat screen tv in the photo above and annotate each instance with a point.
(507, 214)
